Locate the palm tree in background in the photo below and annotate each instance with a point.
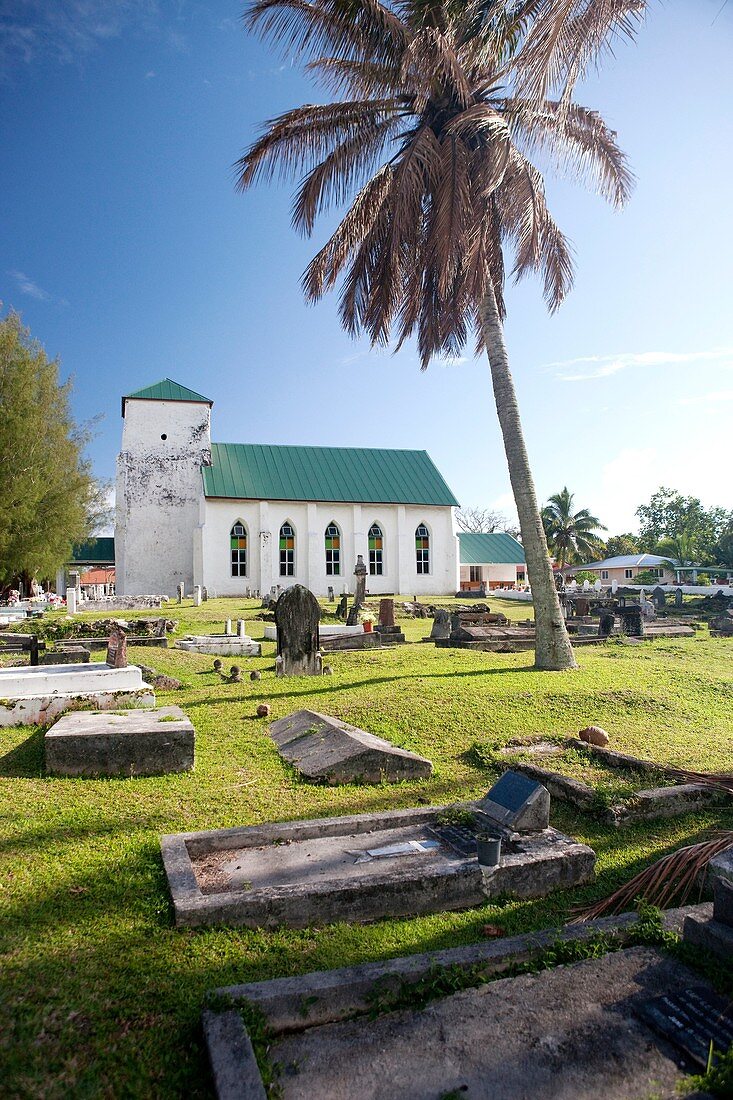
(442, 108)
(571, 536)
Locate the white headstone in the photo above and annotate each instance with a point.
(71, 601)
(614, 585)
(228, 626)
(586, 585)
(197, 595)
(241, 628)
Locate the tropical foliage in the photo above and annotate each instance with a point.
(443, 108)
(571, 536)
(671, 522)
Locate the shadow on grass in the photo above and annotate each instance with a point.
(26, 760)
(337, 686)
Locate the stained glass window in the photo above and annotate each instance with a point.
(238, 548)
(333, 550)
(422, 549)
(376, 550)
(287, 550)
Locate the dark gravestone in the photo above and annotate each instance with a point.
(605, 623)
(117, 648)
(441, 624)
(386, 613)
(297, 615)
(632, 621)
(343, 608)
(692, 1019)
(678, 601)
(517, 803)
(330, 593)
(659, 598)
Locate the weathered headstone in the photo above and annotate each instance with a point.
(678, 601)
(297, 615)
(330, 593)
(117, 648)
(441, 624)
(228, 626)
(134, 742)
(517, 803)
(241, 628)
(197, 595)
(632, 621)
(71, 601)
(659, 598)
(181, 591)
(204, 594)
(343, 608)
(324, 749)
(605, 623)
(386, 613)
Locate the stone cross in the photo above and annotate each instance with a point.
(117, 648)
(297, 615)
(360, 572)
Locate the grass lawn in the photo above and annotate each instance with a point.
(101, 996)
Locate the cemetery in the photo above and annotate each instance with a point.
(348, 838)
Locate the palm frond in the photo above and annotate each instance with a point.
(671, 879)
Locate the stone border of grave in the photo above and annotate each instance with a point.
(289, 1005)
(645, 805)
(538, 864)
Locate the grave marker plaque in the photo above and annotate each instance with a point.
(117, 648)
(517, 803)
(692, 1019)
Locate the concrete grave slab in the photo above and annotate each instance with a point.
(129, 743)
(325, 749)
(358, 868)
(34, 695)
(572, 1033)
(221, 645)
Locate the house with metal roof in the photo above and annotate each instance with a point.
(244, 517)
(625, 567)
(490, 560)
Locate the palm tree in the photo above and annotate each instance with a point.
(443, 104)
(571, 536)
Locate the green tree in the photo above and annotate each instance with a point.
(669, 515)
(445, 104)
(48, 497)
(723, 549)
(571, 536)
(618, 545)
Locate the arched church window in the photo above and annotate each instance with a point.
(422, 549)
(333, 550)
(287, 550)
(376, 551)
(238, 548)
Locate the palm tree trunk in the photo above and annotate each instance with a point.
(553, 650)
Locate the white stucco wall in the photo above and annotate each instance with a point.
(158, 496)
(496, 573)
(263, 520)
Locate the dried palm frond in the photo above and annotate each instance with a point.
(672, 878)
(720, 780)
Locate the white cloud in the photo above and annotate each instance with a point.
(630, 478)
(27, 286)
(713, 397)
(68, 29)
(602, 366)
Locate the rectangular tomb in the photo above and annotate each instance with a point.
(33, 695)
(358, 868)
(129, 743)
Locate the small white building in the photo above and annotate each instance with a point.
(239, 516)
(490, 560)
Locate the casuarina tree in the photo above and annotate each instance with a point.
(441, 110)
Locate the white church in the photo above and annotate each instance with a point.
(234, 517)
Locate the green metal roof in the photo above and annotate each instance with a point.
(481, 548)
(253, 471)
(100, 551)
(165, 390)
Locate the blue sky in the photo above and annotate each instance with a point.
(132, 258)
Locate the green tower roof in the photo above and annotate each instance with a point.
(165, 390)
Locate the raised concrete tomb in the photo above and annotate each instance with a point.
(132, 742)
